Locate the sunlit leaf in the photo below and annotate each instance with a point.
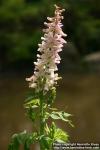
(54, 116)
(32, 103)
(60, 135)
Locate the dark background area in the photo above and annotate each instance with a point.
(21, 24)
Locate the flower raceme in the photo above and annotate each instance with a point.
(45, 73)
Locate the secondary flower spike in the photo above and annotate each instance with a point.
(45, 74)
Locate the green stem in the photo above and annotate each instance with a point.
(42, 120)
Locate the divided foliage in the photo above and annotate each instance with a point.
(51, 133)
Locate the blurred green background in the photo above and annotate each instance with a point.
(21, 24)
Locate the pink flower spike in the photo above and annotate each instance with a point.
(45, 72)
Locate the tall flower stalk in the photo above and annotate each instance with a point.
(47, 61)
(43, 82)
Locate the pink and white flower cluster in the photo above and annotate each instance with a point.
(48, 57)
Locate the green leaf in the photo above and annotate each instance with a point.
(60, 135)
(57, 134)
(66, 114)
(47, 129)
(61, 115)
(32, 103)
(52, 130)
(51, 95)
(54, 116)
(47, 142)
(26, 147)
(23, 138)
(32, 114)
(14, 145)
(30, 140)
(29, 98)
(53, 109)
(46, 116)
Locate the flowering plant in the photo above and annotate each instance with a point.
(39, 106)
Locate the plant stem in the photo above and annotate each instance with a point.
(42, 120)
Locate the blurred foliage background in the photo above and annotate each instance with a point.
(21, 24)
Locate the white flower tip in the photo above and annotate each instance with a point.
(50, 19)
(45, 23)
(39, 45)
(65, 42)
(35, 63)
(30, 79)
(42, 38)
(65, 34)
(59, 8)
(33, 85)
(27, 79)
